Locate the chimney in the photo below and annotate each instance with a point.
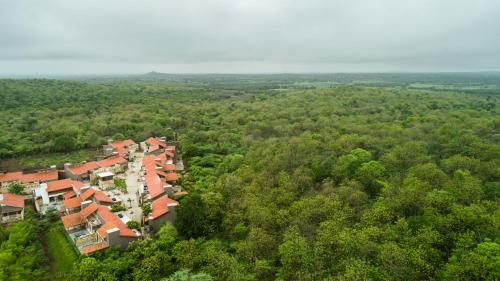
(85, 204)
(113, 237)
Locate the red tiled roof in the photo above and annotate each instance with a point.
(153, 147)
(159, 206)
(84, 168)
(153, 182)
(14, 176)
(111, 218)
(159, 160)
(170, 147)
(87, 211)
(63, 184)
(156, 151)
(59, 185)
(102, 231)
(72, 220)
(78, 185)
(89, 166)
(169, 153)
(69, 194)
(160, 173)
(87, 194)
(94, 247)
(10, 199)
(149, 160)
(108, 162)
(40, 176)
(72, 202)
(168, 167)
(121, 151)
(102, 197)
(153, 141)
(122, 143)
(171, 177)
(154, 185)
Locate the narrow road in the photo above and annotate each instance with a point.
(130, 199)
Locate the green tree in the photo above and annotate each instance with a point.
(21, 254)
(481, 263)
(296, 257)
(466, 187)
(16, 188)
(346, 165)
(146, 209)
(132, 224)
(191, 217)
(86, 270)
(117, 207)
(369, 174)
(64, 143)
(186, 275)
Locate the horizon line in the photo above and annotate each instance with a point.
(35, 75)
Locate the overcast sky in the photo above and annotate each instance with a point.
(259, 36)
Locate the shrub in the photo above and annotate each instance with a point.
(15, 188)
(117, 208)
(132, 224)
(146, 209)
(121, 184)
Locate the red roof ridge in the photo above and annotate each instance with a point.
(102, 197)
(122, 143)
(72, 220)
(102, 231)
(159, 206)
(63, 184)
(94, 247)
(69, 194)
(171, 177)
(87, 194)
(83, 168)
(111, 161)
(12, 176)
(72, 202)
(10, 199)
(112, 218)
(87, 211)
(40, 176)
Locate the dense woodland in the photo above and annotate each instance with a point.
(341, 183)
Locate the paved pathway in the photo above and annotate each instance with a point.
(131, 198)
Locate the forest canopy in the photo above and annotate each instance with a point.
(341, 183)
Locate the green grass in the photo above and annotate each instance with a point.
(62, 252)
(46, 160)
(453, 87)
(121, 184)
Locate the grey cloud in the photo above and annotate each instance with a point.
(248, 36)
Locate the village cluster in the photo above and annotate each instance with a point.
(98, 200)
